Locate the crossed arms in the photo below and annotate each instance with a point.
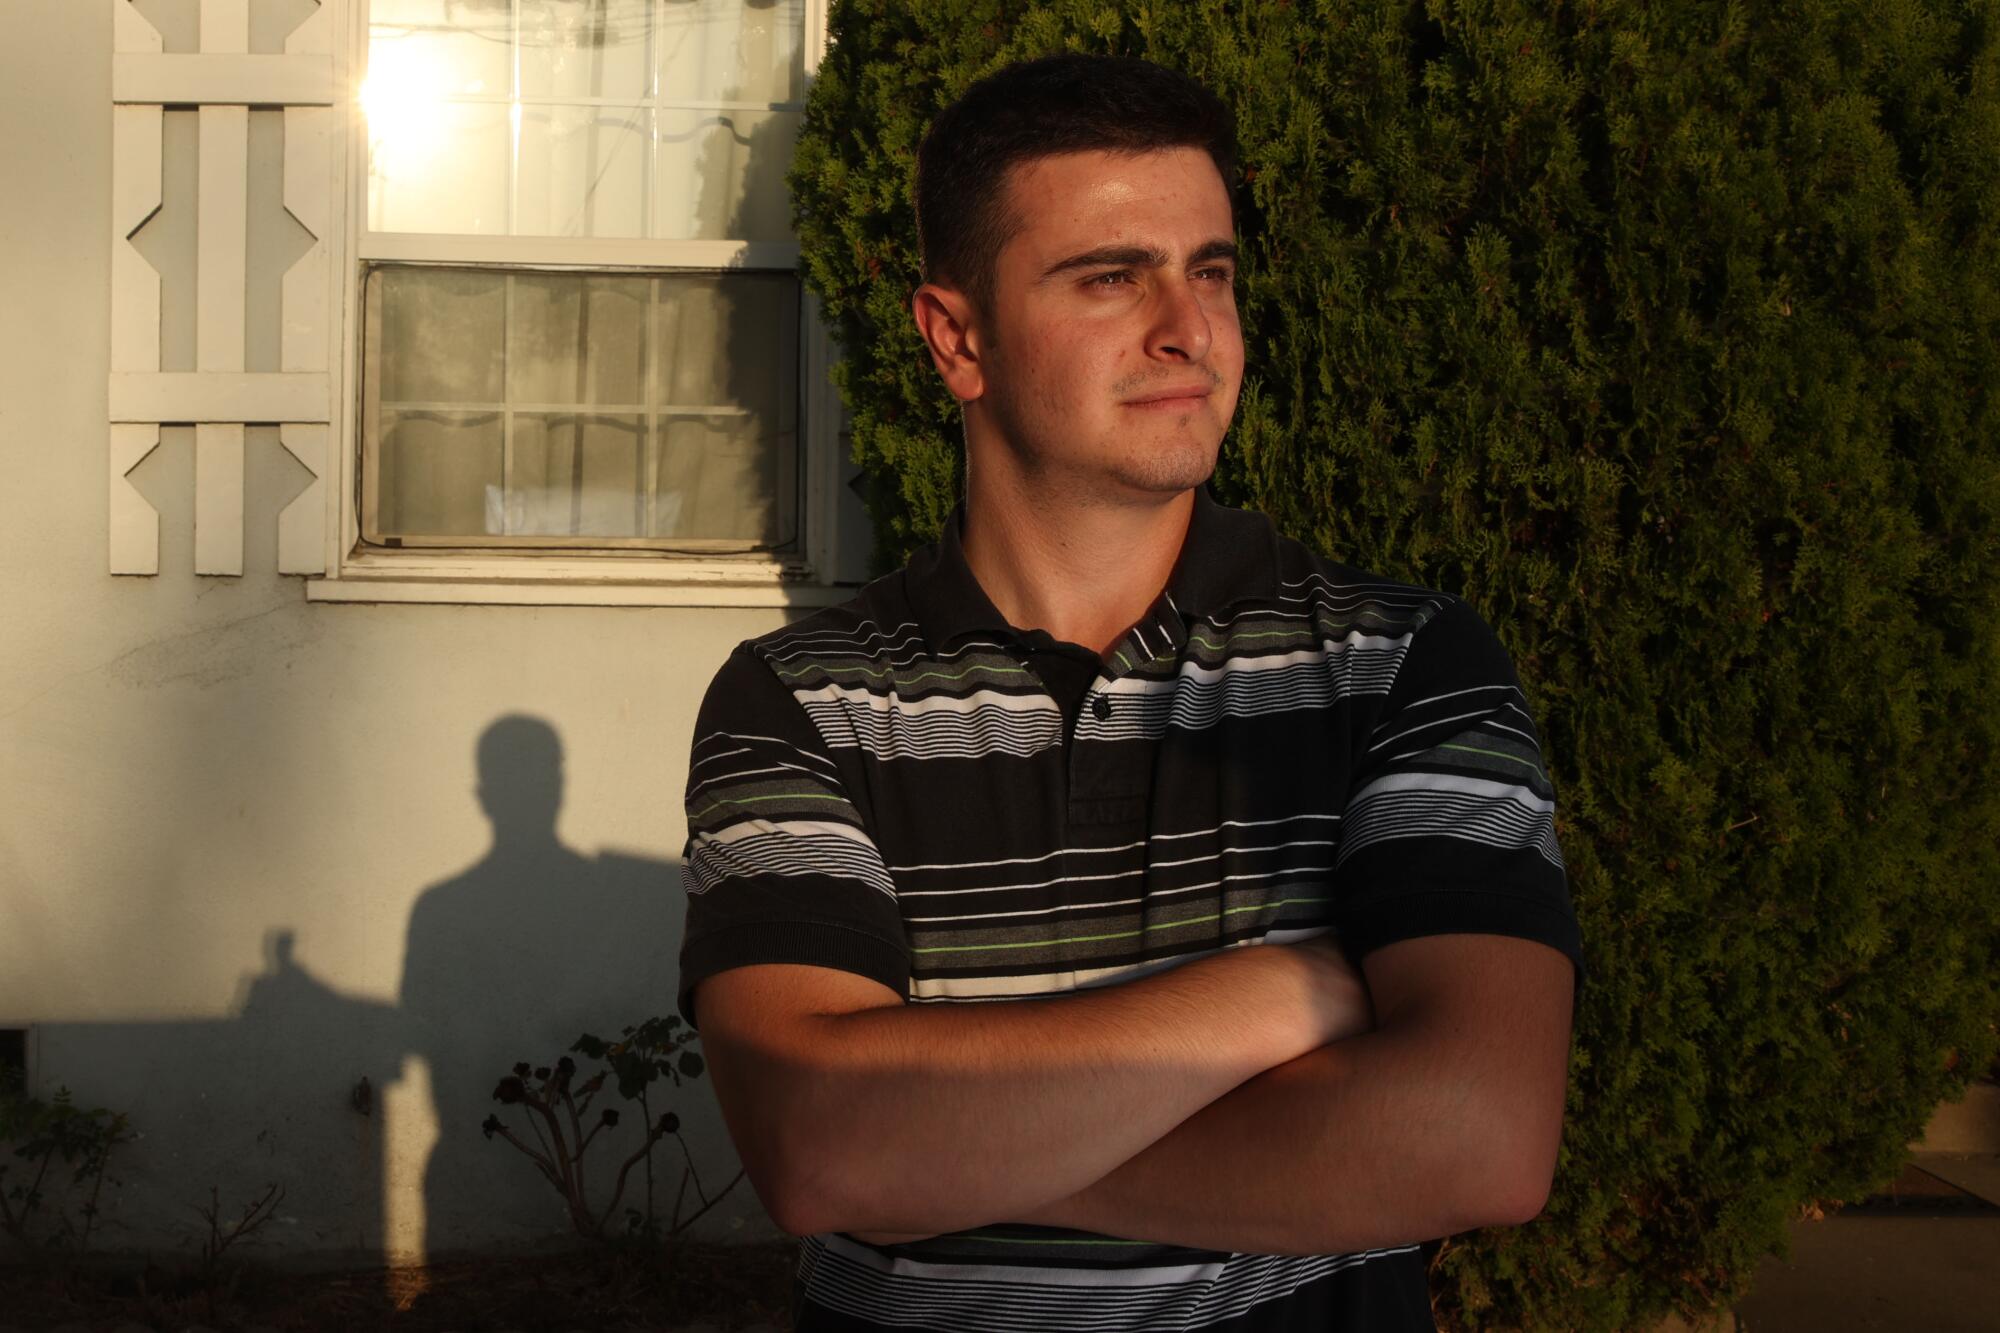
(1241, 1102)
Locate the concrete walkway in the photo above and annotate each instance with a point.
(1860, 1274)
(1923, 1255)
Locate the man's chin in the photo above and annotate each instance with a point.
(1168, 475)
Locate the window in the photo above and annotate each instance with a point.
(581, 346)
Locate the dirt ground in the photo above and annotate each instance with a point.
(726, 1286)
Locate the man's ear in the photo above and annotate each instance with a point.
(944, 317)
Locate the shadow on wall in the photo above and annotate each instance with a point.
(514, 957)
(368, 1114)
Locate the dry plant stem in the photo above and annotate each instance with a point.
(90, 1209)
(541, 1163)
(646, 1110)
(717, 1199)
(540, 1137)
(652, 1137)
(575, 1126)
(692, 1172)
(32, 1201)
(569, 1185)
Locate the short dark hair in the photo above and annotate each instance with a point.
(1067, 103)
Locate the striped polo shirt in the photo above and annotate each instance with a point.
(910, 788)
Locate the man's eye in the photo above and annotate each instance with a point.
(1120, 274)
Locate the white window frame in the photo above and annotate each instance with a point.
(545, 577)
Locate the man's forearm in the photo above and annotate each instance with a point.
(1387, 1137)
(950, 1115)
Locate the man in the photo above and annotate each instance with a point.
(1026, 890)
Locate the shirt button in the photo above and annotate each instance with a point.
(1101, 707)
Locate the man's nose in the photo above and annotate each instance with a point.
(1180, 325)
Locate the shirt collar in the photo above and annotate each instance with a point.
(1228, 554)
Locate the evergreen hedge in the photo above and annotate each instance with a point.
(1665, 334)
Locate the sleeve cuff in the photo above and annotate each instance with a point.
(1410, 914)
(817, 943)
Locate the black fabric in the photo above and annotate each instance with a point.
(908, 788)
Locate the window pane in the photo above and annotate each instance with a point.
(583, 171)
(730, 51)
(423, 50)
(437, 469)
(441, 334)
(722, 175)
(719, 477)
(578, 338)
(669, 119)
(441, 168)
(586, 48)
(726, 340)
(577, 474)
(582, 409)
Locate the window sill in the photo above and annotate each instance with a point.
(512, 581)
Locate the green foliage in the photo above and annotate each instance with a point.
(1665, 334)
(36, 1135)
(558, 1108)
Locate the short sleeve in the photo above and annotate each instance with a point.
(1450, 823)
(779, 864)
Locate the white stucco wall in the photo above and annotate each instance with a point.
(220, 805)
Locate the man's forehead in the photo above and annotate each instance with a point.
(1068, 201)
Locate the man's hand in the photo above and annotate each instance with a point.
(1342, 1008)
(1346, 1009)
(1445, 1118)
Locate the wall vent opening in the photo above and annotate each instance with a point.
(13, 1059)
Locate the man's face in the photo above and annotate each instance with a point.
(1118, 287)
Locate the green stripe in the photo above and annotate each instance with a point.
(1119, 935)
(904, 680)
(754, 800)
(1497, 754)
(1030, 1240)
(1304, 635)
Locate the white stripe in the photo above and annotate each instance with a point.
(1052, 983)
(711, 781)
(920, 655)
(1453, 782)
(713, 860)
(1151, 895)
(1120, 847)
(994, 1297)
(803, 828)
(1440, 805)
(1424, 726)
(874, 631)
(1198, 706)
(1026, 704)
(1141, 871)
(741, 749)
(774, 740)
(1453, 694)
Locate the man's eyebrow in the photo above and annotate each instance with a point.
(1137, 256)
(1214, 250)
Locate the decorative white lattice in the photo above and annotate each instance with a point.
(219, 397)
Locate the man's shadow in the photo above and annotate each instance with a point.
(510, 960)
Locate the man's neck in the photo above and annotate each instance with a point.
(1082, 572)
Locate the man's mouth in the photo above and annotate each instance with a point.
(1171, 400)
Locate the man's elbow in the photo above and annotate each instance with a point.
(809, 1203)
(1520, 1173)
(1523, 1201)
